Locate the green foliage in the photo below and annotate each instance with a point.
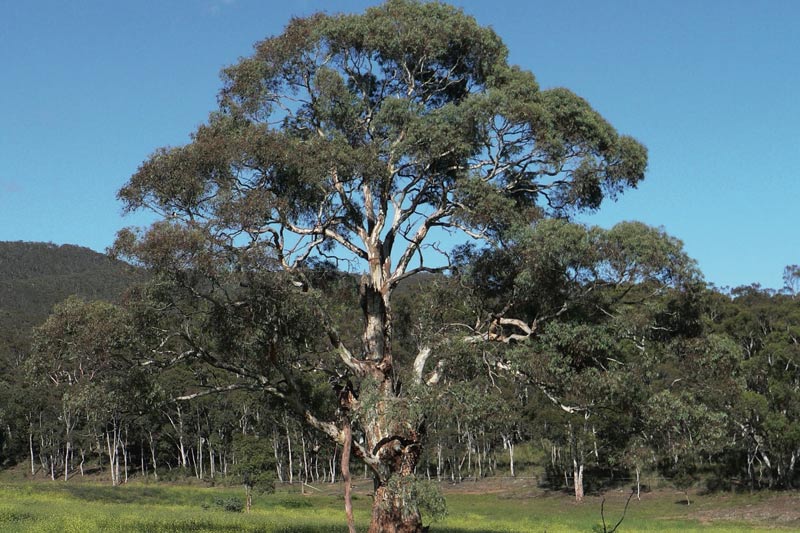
(430, 500)
(255, 464)
(231, 505)
(419, 494)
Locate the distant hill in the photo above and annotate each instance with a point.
(35, 276)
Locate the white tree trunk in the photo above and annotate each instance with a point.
(153, 455)
(33, 459)
(289, 445)
(577, 473)
(66, 461)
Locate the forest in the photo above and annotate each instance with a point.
(690, 383)
(369, 258)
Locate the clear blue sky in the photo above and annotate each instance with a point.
(90, 88)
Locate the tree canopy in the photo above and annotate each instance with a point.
(349, 139)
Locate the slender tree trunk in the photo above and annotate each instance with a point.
(183, 460)
(33, 459)
(577, 473)
(125, 454)
(439, 461)
(348, 501)
(638, 484)
(305, 458)
(509, 443)
(66, 461)
(315, 473)
(289, 446)
(112, 457)
(153, 455)
(333, 464)
(469, 453)
(200, 473)
(210, 460)
(278, 465)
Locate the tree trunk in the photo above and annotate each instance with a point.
(153, 455)
(211, 459)
(278, 465)
(125, 454)
(333, 465)
(393, 509)
(33, 460)
(66, 461)
(183, 461)
(348, 501)
(638, 484)
(289, 453)
(577, 473)
(392, 443)
(398, 447)
(305, 458)
(508, 442)
(439, 461)
(112, 454)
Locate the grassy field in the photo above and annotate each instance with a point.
(57, 507)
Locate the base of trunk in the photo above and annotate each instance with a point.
(394, 511)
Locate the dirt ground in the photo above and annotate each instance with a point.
(781, 509)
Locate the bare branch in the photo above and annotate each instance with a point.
(218, 390)
(419, 363)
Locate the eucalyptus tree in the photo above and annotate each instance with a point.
(766, 326)
(583, 314)
(83, 354)
(358, 140)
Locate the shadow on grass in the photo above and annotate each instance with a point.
(13, 517)
(138, 495)
(205, 525)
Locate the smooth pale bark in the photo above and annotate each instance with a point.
(305, 458)
(278, 464)
(66, 461)
(348, 500)
(508, 442)
(638, 484)
(577, 473)
(112, 456)
(33, 459)
(289, 446)
(125, 455)
(153, 455)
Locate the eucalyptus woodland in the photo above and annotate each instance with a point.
(363, 143)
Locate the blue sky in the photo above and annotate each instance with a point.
(91, 88)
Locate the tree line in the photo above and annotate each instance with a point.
(691, 383)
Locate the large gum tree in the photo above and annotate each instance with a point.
(363, 141)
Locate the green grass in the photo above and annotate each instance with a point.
(59, 507)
